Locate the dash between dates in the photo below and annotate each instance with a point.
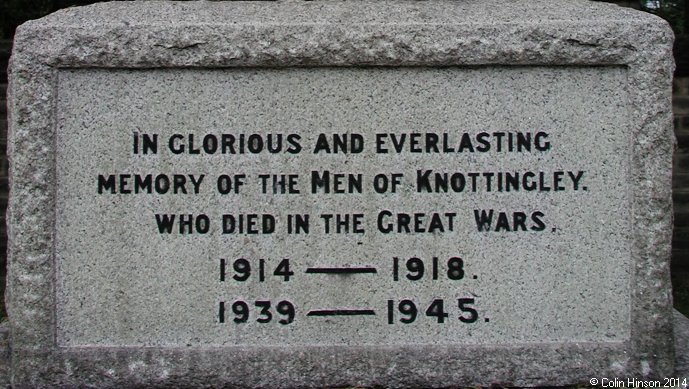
(400, 268)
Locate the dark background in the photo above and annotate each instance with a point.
(676, 12)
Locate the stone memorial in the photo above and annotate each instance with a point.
(327, 193)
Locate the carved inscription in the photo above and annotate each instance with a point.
(238, 218)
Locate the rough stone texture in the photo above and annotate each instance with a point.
(5, 365)
(155, 34)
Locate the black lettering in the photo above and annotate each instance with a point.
(542, 187)
(557, 179)
(383, 227)
(398, 145)
(320, 181)
(538, 225)
(523, 141)
(210, 144)
(432, 143)
(179, 184)
(576, 178)
(403, 221)
(483, 140)
(519, 219)
(339, 143)
(322, 144)
(248, 224)
(423, 183)
(191, 149)
(380, 144)
(527, 181)
(294, 144)
(165, 223)
(502, 223)
(188, 224)
(511, 182)
(124, 181)
(297, 223)
(498, 140)
(484, 220)
(162, 184)
(414, 142)
(143, 184)
(465, 143)
(255, 144)
(436, 224)
(149, 144)
(174, 147)
(343, 223)
(106, 184)
(274, 146)
(227, 144)
(540, 143)
(418, 222)
(446, 144)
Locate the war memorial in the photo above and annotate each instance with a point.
(341, 194)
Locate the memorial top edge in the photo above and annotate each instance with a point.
(342, 33)
(352, 12)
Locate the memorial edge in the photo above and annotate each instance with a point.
(642, 43)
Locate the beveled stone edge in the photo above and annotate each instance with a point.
(644, 48)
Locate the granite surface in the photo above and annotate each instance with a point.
(550, 277)
(631, 49)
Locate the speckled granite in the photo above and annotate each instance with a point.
(538, 297)
(636, 47)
